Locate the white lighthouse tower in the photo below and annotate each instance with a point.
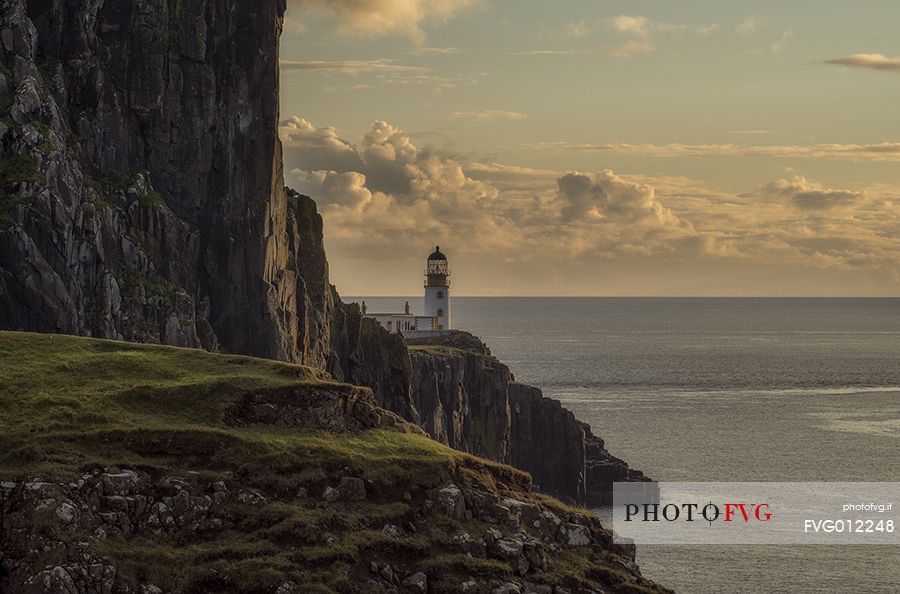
(437, 290)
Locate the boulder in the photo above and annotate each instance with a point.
(452, 502)
(417, 582)
(576, 535)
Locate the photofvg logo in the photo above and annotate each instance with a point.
(755, 513)
(693, 512)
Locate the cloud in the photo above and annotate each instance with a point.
(777, 46)
(871, 61)
(630, 48)
(578, 30)
(349, 67)
(331, 187)
(384, 197)
(635, 25)
(749, 26)
(316, 148)
(488, 115)
(397, 191)
(437, 50)
(512, 177)
(886, 151)
(809, 196)
(379, 72)
(375, 18)
(606, 196)
(547, 52)
(641, 27)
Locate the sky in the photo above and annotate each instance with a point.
(586, 147)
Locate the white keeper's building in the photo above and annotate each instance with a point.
(436, 321)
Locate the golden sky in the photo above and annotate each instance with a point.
(599, 148)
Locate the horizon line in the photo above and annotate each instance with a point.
(632, 296)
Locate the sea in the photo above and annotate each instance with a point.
(721, 389)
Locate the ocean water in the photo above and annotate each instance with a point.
(725, 389)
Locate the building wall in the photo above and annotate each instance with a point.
(404, 322)
(435, 303)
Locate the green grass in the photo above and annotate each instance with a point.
(70, 405)
(14, 170)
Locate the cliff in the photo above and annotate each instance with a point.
(129, 468)
(142, 199)
(469, 400)
(142, 188)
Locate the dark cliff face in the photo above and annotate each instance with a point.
(549, 442)
(463, 400)
(364, 353)
(143, 195)
(469, 400)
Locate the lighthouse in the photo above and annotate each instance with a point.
(437, 289)
(436, 321)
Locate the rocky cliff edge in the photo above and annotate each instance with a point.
(129, 469)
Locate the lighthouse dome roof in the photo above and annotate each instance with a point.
(437, 255)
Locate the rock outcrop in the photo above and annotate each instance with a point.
(185, 472)
(469, 400)
(84, 535)
(142, 188)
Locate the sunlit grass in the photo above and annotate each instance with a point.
(72, 405)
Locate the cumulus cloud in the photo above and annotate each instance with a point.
(870, 61)
(885, 151)
(488, 115)
(605, 196)
(375, 18)
(317, 148)
(330, 187)
(811, 196)
(385, 197)
(373, 187)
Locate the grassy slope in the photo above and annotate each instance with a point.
(67, 404)
(71, 405)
